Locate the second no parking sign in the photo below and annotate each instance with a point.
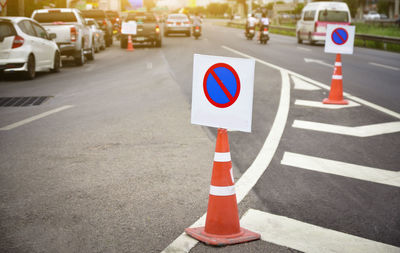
(222, 93)
(339, 39)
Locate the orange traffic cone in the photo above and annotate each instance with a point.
(130, 44)
(222, 221)
(336, 93)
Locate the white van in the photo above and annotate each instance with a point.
(316, 16)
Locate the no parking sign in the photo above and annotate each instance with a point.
(339, 39)
(222, 93)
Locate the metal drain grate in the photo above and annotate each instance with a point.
(22, 101)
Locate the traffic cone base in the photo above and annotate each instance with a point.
(335, 102)
(222, 226)
(130, 44)
(221, 240)
(336, 91)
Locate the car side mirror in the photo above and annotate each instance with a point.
(52, 36)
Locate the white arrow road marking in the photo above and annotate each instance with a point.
(342, 169)
(304, 49)
(246, 182)
(384, 66)
(300, 84)
(306, 237)
(319, 104)
(360, 131)
(307, 60)
(28, 120)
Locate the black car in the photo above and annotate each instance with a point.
(104, 23)
(147, 30)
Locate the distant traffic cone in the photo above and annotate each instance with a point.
(336, 93)
(130, 44)
(222, 221)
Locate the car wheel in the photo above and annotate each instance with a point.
(158, 43)
(90, 56)
(80, 58)
(123, 43)
(312, 42)
(57, 63)
(299, 40)
(30, 73)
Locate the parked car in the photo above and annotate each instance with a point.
(26, 47)
(73, 36)
(177, 23)
(372, 15)
(383, 16)
(147, 30)
(97, 33)
(316, 16)
(104, 23)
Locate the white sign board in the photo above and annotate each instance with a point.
(129, 27)
(222, 93)
(339, 39)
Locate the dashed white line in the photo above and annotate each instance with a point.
(360, 131)
(384, 66)
(342, 169)
(304, 49)
(28, 120)
(306, 237)
(319, 104)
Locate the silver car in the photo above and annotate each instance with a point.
(98, 34)
(177, 23)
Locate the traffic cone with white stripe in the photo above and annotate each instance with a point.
(336, 93)
(130, 44)
(222, 221)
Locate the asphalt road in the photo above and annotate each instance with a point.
(123, 170)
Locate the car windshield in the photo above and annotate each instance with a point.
(97, 14)
(50, 17)
(333, 16)
(141, 18)
(178, 17)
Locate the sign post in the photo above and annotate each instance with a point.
(339, 40)
(222, 96)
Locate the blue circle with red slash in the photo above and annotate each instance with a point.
(221, 85)
(339, 36)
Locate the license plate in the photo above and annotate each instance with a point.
(140, 38)
(178, 23)
(265, 32)
(251, 31)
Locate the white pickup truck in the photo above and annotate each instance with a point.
(73, 35)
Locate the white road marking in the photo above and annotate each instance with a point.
(360, 131)
(246, 182)
(384, 66)
(304, 49)
(28, 120)
(342, 169)
(299, 84)
(149, 65)
(319, 84)
(319, 104)
(306, 237)
(307, 60)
